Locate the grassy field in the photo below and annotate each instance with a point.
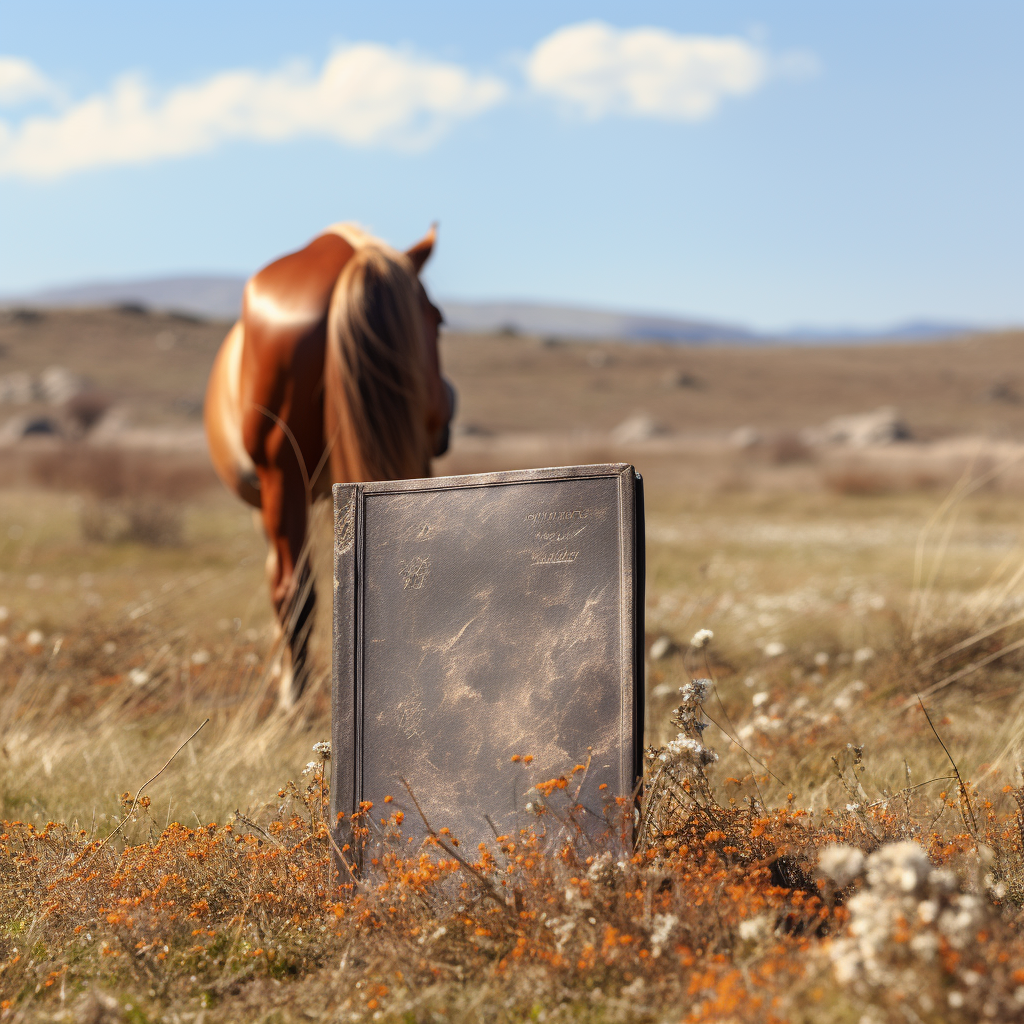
(155, 365)
(136, 610)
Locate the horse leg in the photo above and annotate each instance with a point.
(298, 629)
(282, 670)
(288, 572)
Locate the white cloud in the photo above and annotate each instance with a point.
(20, 82)
(365, 95)
(644, 72)
(372, 95)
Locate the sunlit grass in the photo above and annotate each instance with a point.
(722, 914)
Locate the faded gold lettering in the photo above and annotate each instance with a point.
(559, 515)
(560, 537)
(564, 557)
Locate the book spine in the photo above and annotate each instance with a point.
(631, 601)
(344, 696)
(639, 624)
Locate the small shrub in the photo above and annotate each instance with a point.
(857, 482)
(86, 409)
(147, 521)
(108, 472)
(789, 448)
(154, 522)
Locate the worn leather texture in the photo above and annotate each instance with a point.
(481, 617)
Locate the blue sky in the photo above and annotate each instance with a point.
(772, 164)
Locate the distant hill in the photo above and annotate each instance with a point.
(573, 322)
(220, 297)
(911, 330)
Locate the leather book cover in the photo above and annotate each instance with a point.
(477, 618)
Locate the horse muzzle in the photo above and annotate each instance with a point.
(444, 434)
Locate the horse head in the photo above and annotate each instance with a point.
(441, 404)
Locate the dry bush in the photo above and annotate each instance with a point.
(131, 495)
(205, 912)
(155, 522)
(151, 521)
(100, 472)
(86, 409)
(725, 909)
(789, 448)
(116, 472)
(855, 481)
(170, 476)
(927, 481)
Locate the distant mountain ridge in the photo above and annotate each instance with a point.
(220, 297)
(206, 295)
(575, 322)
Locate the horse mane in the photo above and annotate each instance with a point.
(375, 387)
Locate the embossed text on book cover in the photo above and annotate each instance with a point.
(477, 618)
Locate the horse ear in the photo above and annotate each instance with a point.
(420, 252)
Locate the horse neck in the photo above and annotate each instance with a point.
(346, 457)
(348, 460)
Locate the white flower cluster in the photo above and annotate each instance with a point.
(606, 870)
(311, 766)
(757, 929)
(902, 888)
(695, 691)
(562, 928)
(323, 749)
(688, 715)
(701, 638)
(687, 752)
(841, 863)
(662, 926)
(679, 766)
(898, 867)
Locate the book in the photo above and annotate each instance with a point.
(488, 635)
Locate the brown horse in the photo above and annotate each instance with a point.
(330, 376)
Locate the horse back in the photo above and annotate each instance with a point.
(284, 318)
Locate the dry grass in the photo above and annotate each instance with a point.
(831, 609)
(156, 366)
(723, 913)
(153, 364)
(943, 389)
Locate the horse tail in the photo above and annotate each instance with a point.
(374, 371)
